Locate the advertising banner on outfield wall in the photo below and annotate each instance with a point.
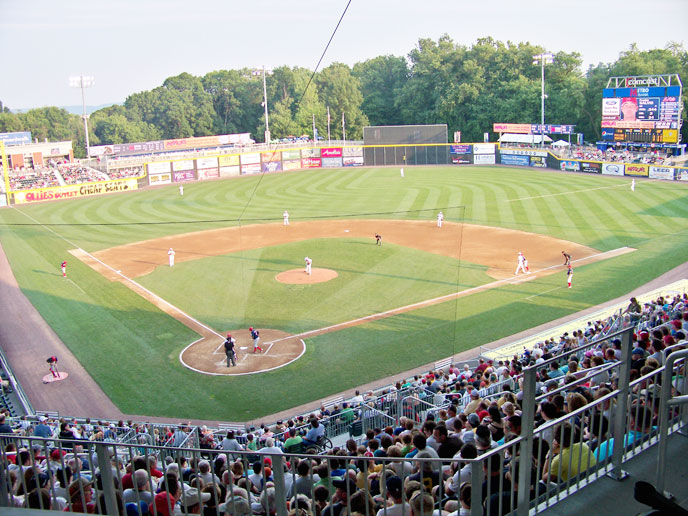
(591, 167)
(353, 161)
(311, 162)
(310, 153)
(682, 174)
(332, 162)
(639, 170)
(208, 173)
(74, 191)
(331, 152)
(184, 175)
(159, 179)
(251, 168)
(291, 155)
(662, 173)
(271, 156)
(484, 148)
(538, 161)
(291, 165)
(183, 165)
(524, 152)
(571, 166)
(158, 167)
(271, 166)
(511, 128)
(228, 161)
(460, 149)
(250, 159)
(234, 170)
(612, 169)
(461, 159)
(206, 162)
(352, 151)
(484, 159)
(510, 159)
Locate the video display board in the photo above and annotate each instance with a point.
(641, 109)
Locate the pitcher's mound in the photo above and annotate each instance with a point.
(299, 276)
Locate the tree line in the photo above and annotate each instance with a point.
(438, 82)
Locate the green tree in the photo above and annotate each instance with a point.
(381, 81)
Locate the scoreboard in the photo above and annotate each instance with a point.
(643, 109)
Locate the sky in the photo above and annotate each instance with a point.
(134, 45)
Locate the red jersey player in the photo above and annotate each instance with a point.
(64, 269)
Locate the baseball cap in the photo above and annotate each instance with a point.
(394, 486)
(250, 328)
(229, 335)
(475, 394)
(193, 496)
(474, 419)
(77, 486)
(41, 419)
(346, 484)
(638, 351)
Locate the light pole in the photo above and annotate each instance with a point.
(265, 101)
(83, 81)
(542, 59)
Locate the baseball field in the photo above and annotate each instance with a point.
(151, 335)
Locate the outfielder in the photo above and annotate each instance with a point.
(229, 350)
(567, 258)
(440, 218)
(632, 185)
(255, 335)
(170, 254)
(309, 262)
(378, 239)
(569, 275)
(402, 171)
(285, 216)
(181, 190)
(521, 263)
(64, 268)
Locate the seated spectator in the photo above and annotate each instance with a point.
(315, 432)
(640, 427)
(568, 456)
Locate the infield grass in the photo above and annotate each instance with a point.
(131, 348)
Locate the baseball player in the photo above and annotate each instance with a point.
(521, 263)
(64, 268)
(569, 275)
(309, 262)
(632, 185)
(52, 362)
(181, 190)
(255, 335)
(525, 264)
(378, 239)
(567, 258)
(440, 218)
(170, 254)
(285, 216)
(229, 350)
(402, 171)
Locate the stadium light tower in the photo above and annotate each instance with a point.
(83, 81)
(542, 59)
(263, 71)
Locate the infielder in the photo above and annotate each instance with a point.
(309, 262)
(170, 254)
(567, 258)
(378, 239)
(569, 275)
(521, 263)
(64, 269)
(285, 216)
(255, 335)
(440, 218)
(525, 264)
(229, 350)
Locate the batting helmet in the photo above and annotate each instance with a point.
(251, 328)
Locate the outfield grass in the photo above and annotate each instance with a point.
(105, 323)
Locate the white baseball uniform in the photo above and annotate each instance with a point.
(632, 185)
(309, 262)
(521, 263)
(170, 254)
(440, 218)
(181, 190)
(285, 215)
(402, 171)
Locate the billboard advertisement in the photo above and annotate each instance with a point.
(185, 164)
(271, 156)
(158, 167)
(229, 171)
(184, 175)
(18, 138)
(331, 162)
(538, 161)
(290, 155)
(352, 151)
(311, 162)
(662, 173)
(353, 161)
(511, 128)
(639, 170)
(159, 179)
(591, 167)
(228, 161)
(250, 159)
(484, 159)
(484, 148)
(524, 152)
(682, 174)
(570, 166)
(510, 159)
(208, 173)
(461, 159)
(74, 191)
(310, 153)
(251, 168)
(271, 166)
(460, 149)
(331, 152)
(291, 165)
(613, 169)
(206, 162)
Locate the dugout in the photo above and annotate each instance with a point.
(406, 145)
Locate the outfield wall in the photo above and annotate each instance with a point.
(184, 169)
